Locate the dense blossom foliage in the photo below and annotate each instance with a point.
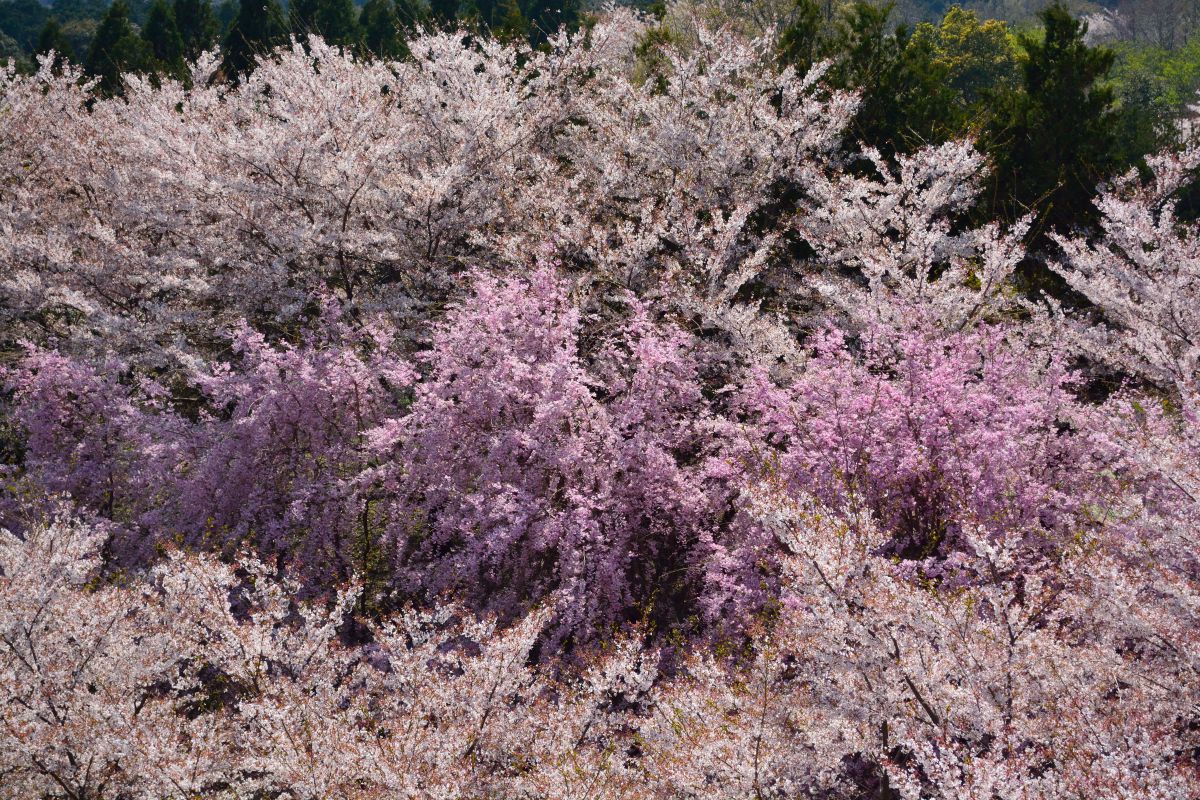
(268, 453)
(933, 435)
(577, 422)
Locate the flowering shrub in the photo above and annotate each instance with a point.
(522, 472)
(269, 457)
(932, 434)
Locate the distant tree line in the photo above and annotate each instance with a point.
(161, 36)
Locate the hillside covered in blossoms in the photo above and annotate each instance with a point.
(614, 416)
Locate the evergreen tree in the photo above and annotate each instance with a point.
(1054, 138)
(382, 32)
(413, 14)
(117, 49)
(258, 29)
(544, 17)
(198, 26)
(801, 42)
(53, 39)
(336, 21)
(444, 12)
(906, 101)
(511, 23)
(489, 14)
(163, 40)
(226, 13)
(469, 16)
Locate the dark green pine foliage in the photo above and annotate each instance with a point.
(382, 32)
(802, 42)
(53, 39)
(198, 26)
(226, 13)
(510, 23)
(336, 21)
(163, 40)
(1054, 138)
(257, 30)
(490, 13)
(443, 12)
(413, 15)
(115, 50)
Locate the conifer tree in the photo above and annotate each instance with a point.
(1054, 137)
(444, 12)
(905, 101)
(470, 17)
(413, 15)
(226, 13)
(544, 17)
(116, 50)
(511, 24)
(198, 26)
(52, 39)
(800, 42)
(382, 32)
(336, 21)
(163, 40)
(258, 29)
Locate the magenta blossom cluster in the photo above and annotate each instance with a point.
(513, 470)
(516, 462)
(261, 450)
(932, 431)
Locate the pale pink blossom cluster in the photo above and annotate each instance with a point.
(578, 422)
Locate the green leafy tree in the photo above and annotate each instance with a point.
(334, 20)
(52, 39)
(976, 57)
(258, 29)
(67, 10)
(80, 33)
(116, 50)
(163, 40)
(1155, 88)
(198, 26)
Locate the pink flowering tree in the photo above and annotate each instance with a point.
(267, 452)
(529, 466)
(934, 433)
